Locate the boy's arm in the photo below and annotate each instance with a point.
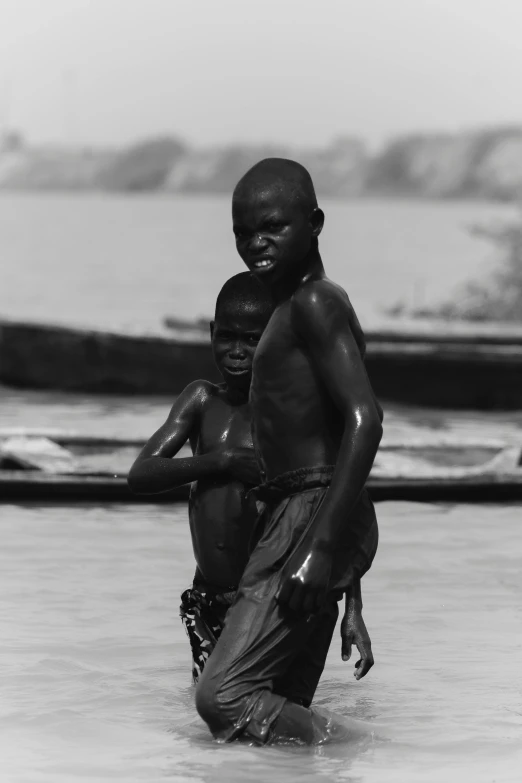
(353, 631)
(154, 469)
(321, 318)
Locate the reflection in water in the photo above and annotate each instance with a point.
(96, 668)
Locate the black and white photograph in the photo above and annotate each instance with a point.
(260, 391)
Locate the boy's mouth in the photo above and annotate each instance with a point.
(263, 264)
(238, 371)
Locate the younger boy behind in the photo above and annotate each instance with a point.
(215, 419)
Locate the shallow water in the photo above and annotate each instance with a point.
(95, 666)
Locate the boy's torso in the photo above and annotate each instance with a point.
(295, 424)
(221, 515)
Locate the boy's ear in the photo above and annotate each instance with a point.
(317, 221)
(212, 324)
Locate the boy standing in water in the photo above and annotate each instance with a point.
(316, 427)
(216, 419)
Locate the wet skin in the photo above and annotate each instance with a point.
(311, 398)
(216, 419)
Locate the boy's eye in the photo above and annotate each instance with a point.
(253, 338)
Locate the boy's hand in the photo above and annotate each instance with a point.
(241, 464)
(305, 579)
(353, 631)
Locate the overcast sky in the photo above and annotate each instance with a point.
(213, 71)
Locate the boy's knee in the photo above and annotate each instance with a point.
(209, 707)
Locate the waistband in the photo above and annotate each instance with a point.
(200, 598)
(200, 585)
(294, 481)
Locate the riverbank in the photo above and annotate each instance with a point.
(479, 163)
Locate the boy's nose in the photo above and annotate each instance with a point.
(259, 242)
(237, 351)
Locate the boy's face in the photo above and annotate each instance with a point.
(273, 231)
(235, 334)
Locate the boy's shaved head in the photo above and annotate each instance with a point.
(275, 219)
(281, 176)
(244, 292)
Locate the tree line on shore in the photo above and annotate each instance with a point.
(483, 164)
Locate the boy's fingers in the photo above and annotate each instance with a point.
(346, 646)
(363, 666)
(362, 670)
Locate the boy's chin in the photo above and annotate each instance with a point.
(280, 271)
(240, 381)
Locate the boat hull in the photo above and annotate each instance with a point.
(436, 469)
(43, 356)
(452, 368)
(30, 486)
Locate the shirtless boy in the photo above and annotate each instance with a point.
(216, 420)
(316, 428)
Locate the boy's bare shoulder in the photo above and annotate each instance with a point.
(325, 305)
(319, 297)
(204, 390)
(197, 395)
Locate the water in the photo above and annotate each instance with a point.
(105, 260)
(138, 417)
(95, 666)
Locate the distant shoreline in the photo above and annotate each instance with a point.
(482, 165)
(164, 195)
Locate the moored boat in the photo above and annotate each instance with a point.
(62, 466)
(445, 366)
(122, 361)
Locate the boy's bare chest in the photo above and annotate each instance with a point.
(279, 355)
(224, 426)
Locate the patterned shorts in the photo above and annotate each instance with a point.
(203, 613)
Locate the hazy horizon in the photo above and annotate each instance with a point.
(107, 72)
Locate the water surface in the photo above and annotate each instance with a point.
(95, 667)
(107, 259)
(138, 417)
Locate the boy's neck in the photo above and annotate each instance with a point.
(237, 396)
(311, 268)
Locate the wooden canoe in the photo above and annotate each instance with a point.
(436, 469)
(445, 366)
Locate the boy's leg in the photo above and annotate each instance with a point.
(300, 681)
(203, 618)
(237, 693)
